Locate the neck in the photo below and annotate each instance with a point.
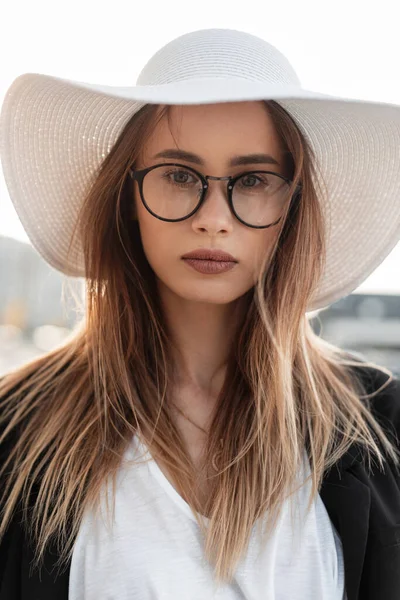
(202, 335)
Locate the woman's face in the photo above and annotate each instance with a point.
(216, 133)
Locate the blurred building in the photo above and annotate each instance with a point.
(30, 290)
(368, 324)
(33, 318)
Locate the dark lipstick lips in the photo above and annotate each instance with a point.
(217, 255)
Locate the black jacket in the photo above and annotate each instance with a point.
(364, 507)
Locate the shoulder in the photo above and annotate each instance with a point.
(384, 386)
(11, 402)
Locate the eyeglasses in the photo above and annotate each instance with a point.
(174, 192)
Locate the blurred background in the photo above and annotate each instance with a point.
(346, 49)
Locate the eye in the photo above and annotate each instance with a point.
(180, 177)
(251, 180)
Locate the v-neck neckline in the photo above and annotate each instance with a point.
(165, 483)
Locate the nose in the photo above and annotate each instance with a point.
(214, 215)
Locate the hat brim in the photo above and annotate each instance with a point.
(56, 132)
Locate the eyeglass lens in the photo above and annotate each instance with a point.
(173, 192)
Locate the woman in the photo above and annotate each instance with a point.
(210, 208)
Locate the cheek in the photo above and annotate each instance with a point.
(258, 246)
(156, 240)
(162, 247)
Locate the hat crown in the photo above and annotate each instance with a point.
(218, 53)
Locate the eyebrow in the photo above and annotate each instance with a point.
(248, 159)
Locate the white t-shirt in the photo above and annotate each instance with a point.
(153, 551)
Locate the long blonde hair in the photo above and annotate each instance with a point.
(68, 416)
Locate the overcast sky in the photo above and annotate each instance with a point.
(343, 48)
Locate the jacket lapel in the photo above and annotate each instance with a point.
(44, 584)
(348, 501)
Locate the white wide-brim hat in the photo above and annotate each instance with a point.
(56, 132)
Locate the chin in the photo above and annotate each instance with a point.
(205, 290)
(200, 293)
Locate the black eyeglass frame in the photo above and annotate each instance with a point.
(139, 176)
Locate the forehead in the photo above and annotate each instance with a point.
(216, 132)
